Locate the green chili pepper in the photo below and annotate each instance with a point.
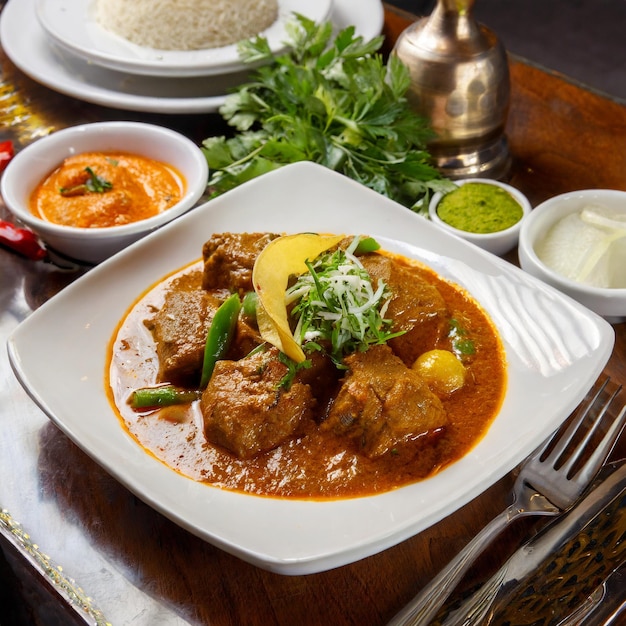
(219, 336)
(248, 306)
(367, 244)
(163, 395)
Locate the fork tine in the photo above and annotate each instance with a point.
(605, 447)
(562, 441)
(599, 455)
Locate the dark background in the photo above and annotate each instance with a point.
(583, 39)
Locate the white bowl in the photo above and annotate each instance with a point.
(93, 245)
(607, 302)
(498, 243)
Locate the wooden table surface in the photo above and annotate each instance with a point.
(86, 550)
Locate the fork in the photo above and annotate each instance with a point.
(549, 482)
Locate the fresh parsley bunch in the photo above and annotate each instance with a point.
(330, 101)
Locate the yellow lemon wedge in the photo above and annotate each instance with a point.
(281, 258)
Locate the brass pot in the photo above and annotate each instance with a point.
(460, 83)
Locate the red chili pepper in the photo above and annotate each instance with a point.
(6, 153)
(21, 240)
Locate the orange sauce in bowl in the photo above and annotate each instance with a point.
(102, 189)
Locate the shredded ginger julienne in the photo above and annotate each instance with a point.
(336, 301)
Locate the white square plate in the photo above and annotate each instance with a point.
(555, 349)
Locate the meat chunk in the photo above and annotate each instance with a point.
(323, 377)
(383, 404)
(229, 259)
(416, 307)
(245, 339)
(245, 409)
(180, 328)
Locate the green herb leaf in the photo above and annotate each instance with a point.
(94, 184)
(330, 101)
(292, 369)
(462, 345)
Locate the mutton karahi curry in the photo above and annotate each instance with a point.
(307, 367)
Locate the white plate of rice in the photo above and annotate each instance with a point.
(26, 44)
(123, 35)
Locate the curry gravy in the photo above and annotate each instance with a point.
(137, 188)
(319, 464)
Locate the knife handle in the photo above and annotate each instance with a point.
(605, 606)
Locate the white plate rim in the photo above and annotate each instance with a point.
(72, 25)
(26, 45)
(555, 348)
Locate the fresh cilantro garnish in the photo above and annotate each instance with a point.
(334, 102)
(462, 345)
(93, 184)
(336, 304)
(292, 369)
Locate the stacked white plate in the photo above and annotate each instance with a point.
(58, 43)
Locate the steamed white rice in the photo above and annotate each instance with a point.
(186, 24)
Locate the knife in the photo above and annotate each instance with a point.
(517, 585)
(605, 604)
